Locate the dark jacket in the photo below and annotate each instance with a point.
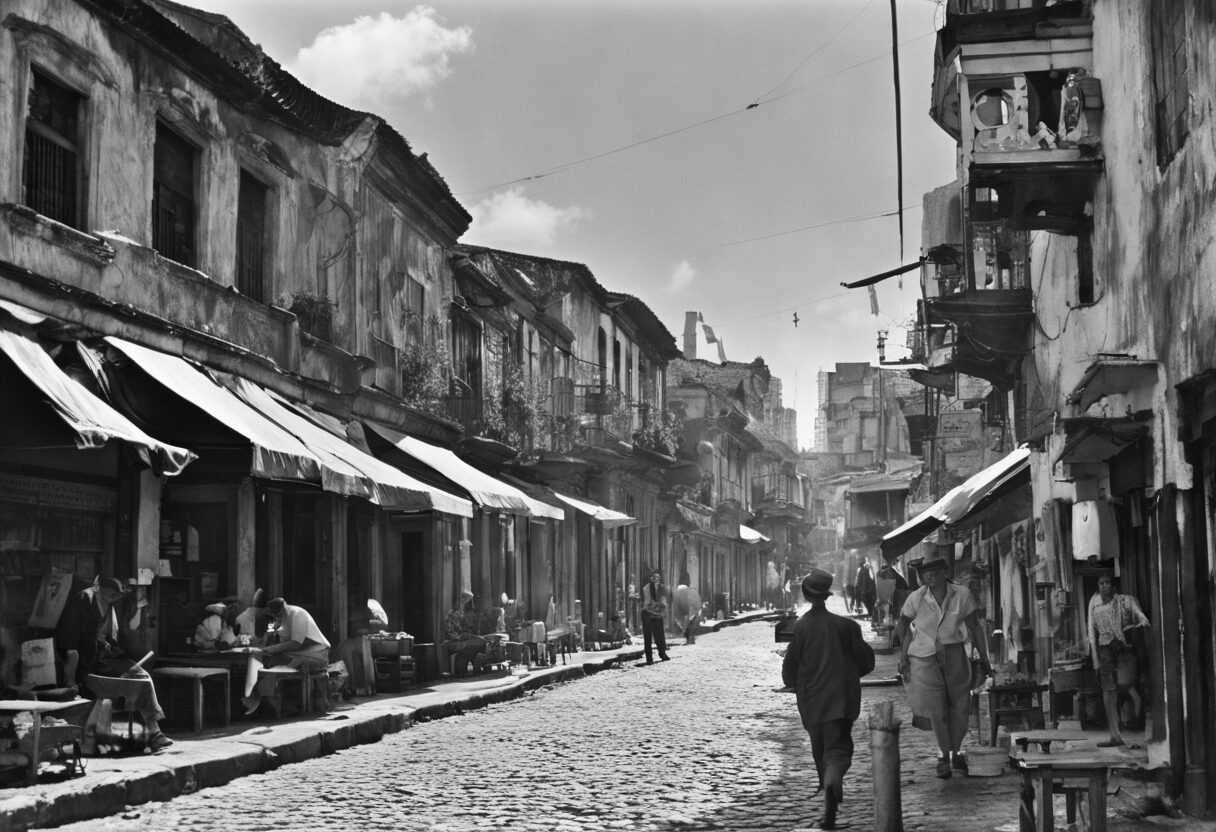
(77, 631)
(824, 664)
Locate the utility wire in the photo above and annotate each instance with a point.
(760, 100)
(755, 105)
(859, 218)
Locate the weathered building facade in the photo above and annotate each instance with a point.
(309, 385)
(1073, 272)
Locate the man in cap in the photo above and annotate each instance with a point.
(299, 644)
(87, 636)
(824, 664)
(940, 616)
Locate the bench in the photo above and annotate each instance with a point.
(1046, 775)
(196, 676)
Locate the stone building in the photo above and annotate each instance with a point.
(745, 524)
(1072, 272)
(268, 361)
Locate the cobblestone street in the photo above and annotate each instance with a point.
(701, 742)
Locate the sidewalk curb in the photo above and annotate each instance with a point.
(188, 769)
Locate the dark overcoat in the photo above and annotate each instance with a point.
(824, 664)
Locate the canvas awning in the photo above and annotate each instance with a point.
(960, 502)
(276, 453)
(611, 519)
(347, 469)
(486, 491)
(749, 535)
(94, 422)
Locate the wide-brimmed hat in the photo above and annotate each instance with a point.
(931, 564)
(817, 584)
(217, 609)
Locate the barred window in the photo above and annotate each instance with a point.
(251, 238)
(173, 196)
(1170, 78)
(51, 169)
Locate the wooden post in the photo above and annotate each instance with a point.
(884, 763)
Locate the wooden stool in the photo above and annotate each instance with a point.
(1046, 775)
(283, 676)
(196, 676)
(1015, 704)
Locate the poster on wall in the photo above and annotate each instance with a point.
(38, 662)
(51, 599)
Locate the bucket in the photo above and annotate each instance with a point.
(986, 762)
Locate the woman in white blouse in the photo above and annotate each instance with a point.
(1111, 616)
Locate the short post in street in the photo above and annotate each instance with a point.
(884, 762)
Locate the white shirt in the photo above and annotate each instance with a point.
(938, 624)
(298, 626)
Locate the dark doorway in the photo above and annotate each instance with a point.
(415, 618)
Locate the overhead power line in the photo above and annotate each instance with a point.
(813, 53)
(890, 212)
(667, 134)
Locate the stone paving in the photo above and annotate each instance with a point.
(703, 742)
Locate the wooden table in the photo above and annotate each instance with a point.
(37, 708)
(196, 676)
(1049, 772)
(1044, 738)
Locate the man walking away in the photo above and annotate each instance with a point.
(654, 616)
(824, 664)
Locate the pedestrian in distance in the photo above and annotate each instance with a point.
(655, 596)
(824, 664)
(934, 625)
(1112, 616)
(848, 596)
(865, 591)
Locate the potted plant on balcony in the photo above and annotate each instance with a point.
(424, 374)
(315, 313)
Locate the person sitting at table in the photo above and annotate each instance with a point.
(253, 620)
(87, 638)
(215, 631)
(464, 642)
(617, 634)
(295, 641)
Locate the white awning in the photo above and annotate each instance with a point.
(350, 470)
(277, 454)
(750, 535)
(611, 519)
(960, 502)
(94, 421)
(486, 491)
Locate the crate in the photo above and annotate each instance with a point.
(392, 646)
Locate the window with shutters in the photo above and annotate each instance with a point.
(251, 238)
(415, 306)
(466, 352)
(52, 165)
(174, 210)
(1171, 84)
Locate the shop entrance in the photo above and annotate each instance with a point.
(415, 581)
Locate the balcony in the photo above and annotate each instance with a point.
(1027, 122)
(778, 495)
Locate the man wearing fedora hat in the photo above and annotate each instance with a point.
(824, 664)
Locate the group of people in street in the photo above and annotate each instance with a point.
(937, 630)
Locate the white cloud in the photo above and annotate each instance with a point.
(682, 277)
(511, 220)
(377, 61)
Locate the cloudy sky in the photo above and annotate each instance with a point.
(497, 92)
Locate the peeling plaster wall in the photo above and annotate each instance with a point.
(1154, 235)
